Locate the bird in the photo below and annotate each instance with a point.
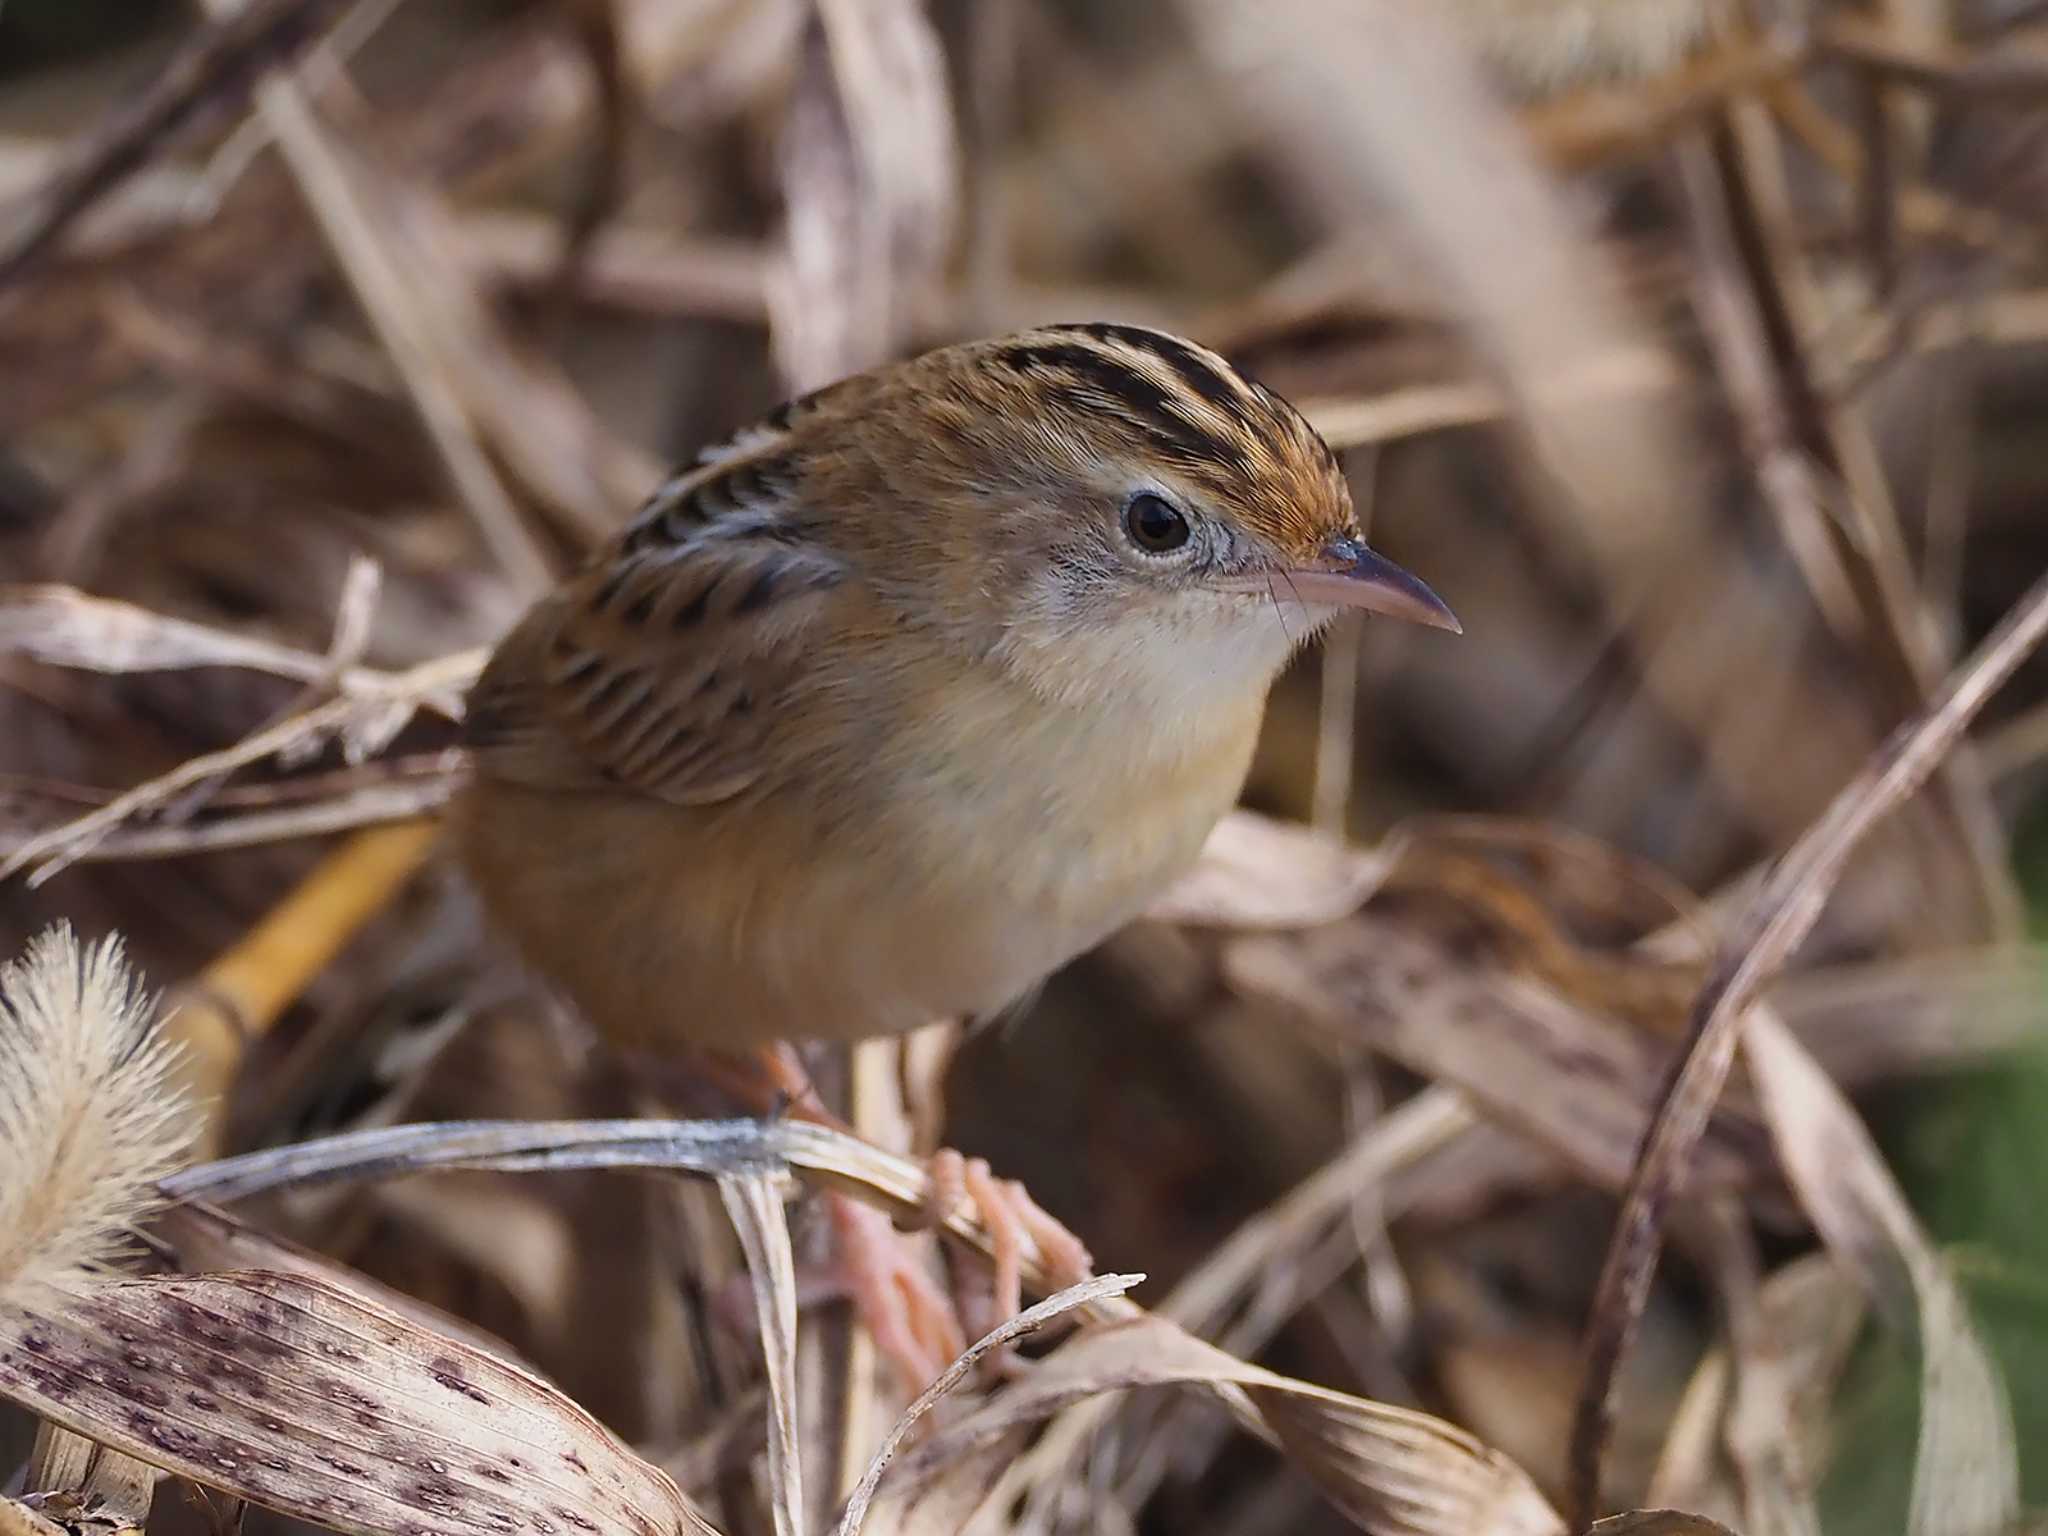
(894, 702)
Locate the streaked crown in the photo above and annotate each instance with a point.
(1183, 406)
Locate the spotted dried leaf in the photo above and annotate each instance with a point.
(19, 1519)
(299, 1396)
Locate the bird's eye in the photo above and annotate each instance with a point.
(1154, 524)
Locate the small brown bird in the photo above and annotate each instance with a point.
(897, 701)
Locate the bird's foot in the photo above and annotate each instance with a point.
(916, 1328)
(1013, 1219)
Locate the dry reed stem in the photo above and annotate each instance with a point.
(1630, 119)
(1813, 457)
(1097, 1288)
(242, 993)
(869, 179)
(1943, 68)
(755, 1206)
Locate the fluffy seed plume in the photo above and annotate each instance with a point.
(88, 1119)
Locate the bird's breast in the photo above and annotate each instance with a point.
(1047, 829)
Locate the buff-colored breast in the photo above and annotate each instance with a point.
(977, 842)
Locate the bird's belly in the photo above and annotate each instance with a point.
(883, 943)
(698, 926)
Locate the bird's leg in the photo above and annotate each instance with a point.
(904, 1310)
(915, 1328)
(784, 1068)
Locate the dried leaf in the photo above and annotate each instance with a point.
(299, 1396)
(1806, 1319)
(1391, 1470)
(1659, 1522)
(1532, 1059)
(1778, 1488)
(72, 1476)
(1255, 872)
(1955, 1009)
(18, 1518)
(205, 1237)
(1098, 1288)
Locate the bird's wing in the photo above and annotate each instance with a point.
(665, 664)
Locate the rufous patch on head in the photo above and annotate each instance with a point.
(1300, 500)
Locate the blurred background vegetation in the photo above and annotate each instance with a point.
(1699, 358)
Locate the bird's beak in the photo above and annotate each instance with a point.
(1349, 575)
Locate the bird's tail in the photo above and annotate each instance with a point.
(88, 1118)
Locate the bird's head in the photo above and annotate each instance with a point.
(1101, 506)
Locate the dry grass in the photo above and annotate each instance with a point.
(1678, 912)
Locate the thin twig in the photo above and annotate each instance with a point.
(51, 851)
(214, 72)
(1967, 74)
